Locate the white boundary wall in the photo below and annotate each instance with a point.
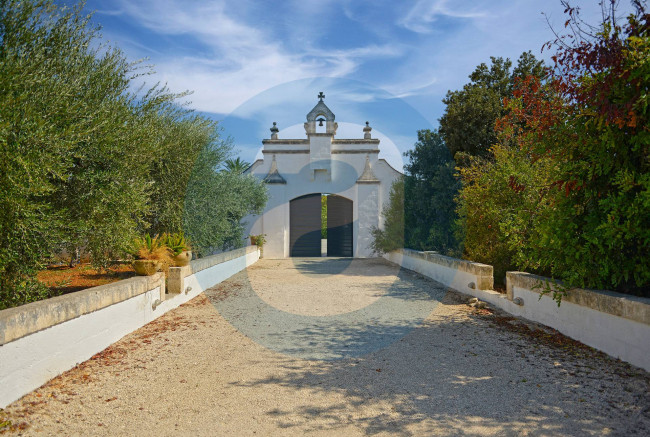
(43, 339)
(614, 323)
(465, 276)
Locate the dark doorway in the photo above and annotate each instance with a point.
(339, 226)
(305, 225)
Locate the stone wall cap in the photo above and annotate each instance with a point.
(286, 151)
(611, 302)
(35, 316)
(447, 261)
(285, 141)
(27, 319)
(373, 141)
(205, 263)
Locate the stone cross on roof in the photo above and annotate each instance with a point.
(319, 110)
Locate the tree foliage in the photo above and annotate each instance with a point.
(87, 163)
(216, 202)
(598, 232)
(181, 137)
(43, 64)
(467, 126)
(567, 191)
(236, 165)
(500, 207)
(430, 187)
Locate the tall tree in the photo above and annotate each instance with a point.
(57, 94)
(467, 126)
(430, 188)
(86, 162)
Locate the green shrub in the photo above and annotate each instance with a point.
(501, 207)
(391, 237)
(591, 122)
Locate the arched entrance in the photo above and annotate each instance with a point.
(305, 225)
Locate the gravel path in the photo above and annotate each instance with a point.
(339, 347)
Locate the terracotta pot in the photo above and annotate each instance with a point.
(253, 241)
(183, 258)
(146, 267)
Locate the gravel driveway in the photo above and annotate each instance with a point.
(339, 347)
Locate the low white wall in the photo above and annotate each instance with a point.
(466, 276)
(614, 323)
(42, 339)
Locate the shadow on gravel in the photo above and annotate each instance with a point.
(404, 304)
(459, 377)
(401, 368)
(325, 266)
(344, 266)
(436, 382)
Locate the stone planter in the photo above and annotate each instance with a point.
(183, 258)
(146, 267)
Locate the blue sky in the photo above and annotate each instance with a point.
(389, 62)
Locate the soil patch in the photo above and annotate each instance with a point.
(65, 279)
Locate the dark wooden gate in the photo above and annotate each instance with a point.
(305, 225)
(339, 226)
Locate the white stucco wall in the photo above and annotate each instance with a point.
(624, 334)
(368, 199)
(616, 324)
(31, 359)
(321, 164)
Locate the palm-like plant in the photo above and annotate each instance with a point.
(149, 247)
(236, 165)
(176, 243)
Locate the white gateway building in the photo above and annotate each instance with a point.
(347, 174)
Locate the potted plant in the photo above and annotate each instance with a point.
(151, 255)
(259, 241)
(179, 247)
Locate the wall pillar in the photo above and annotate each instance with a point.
(367, 206)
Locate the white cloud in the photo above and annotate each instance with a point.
(243, 60)
(420, 17)
(236, 49)
(423, 84)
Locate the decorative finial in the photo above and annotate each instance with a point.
(366, 131)
(274, 131)
(321, 96)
